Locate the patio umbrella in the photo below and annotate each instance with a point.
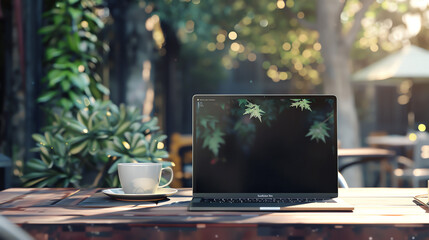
(409, 62)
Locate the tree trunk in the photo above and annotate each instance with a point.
(336, 56)
(336, 53)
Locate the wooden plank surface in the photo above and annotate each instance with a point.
(365, 152)
(64, 206)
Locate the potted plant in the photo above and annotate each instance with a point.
(84, 149)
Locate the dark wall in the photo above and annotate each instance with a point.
(419, 103)
(390, 116)
(5, 74)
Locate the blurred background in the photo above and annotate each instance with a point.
(67, 55)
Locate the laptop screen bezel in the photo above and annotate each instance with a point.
(261, 195)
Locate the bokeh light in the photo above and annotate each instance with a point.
(422, 127)
(281, 4)
(412, 137)
(232, 35)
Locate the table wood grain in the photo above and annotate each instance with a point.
(394, 206)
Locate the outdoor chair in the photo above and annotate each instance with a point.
(342, 181)
(180, 151)
(417, 168)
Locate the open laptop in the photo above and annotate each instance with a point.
(265, 153)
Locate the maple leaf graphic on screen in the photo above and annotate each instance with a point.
(254, 110)
(318, 131)
(214, 140)
(301, 103)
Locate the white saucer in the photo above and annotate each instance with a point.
(118, 193)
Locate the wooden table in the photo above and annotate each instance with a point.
(385, 158)
(363, 155)
(390, 141)
(380, 213)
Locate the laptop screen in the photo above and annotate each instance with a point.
(264, 144)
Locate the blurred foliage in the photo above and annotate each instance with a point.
(387, 28)
(247, 31)
(71, 55)
(94, 140)
(275, 33)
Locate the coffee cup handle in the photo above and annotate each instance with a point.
(171, 176)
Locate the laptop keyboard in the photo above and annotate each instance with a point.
(267, 200)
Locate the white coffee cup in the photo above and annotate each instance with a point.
(142, 178)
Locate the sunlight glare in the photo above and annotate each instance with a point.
(420, 4)
(126, 145)
(281, 4)
(413, 23)
(232, 35)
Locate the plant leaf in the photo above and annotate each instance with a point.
(103, 89)
(78, 148)
(77, 100)
(47, 29)
(46, 96)
(39, 138)
(114, 167)
(161, 154)
(213, 141)
(52, 53)
(242, 102)
(254, 110)
(123, 128)
(65, 84)
(91, 16)
(301, 103)
(66, 103)
(93, 147)
(34, 182)
(139, 151)
(74, 125)
(318, 131)
(55, 76)
(36, 165)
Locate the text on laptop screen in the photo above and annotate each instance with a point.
(265, 144)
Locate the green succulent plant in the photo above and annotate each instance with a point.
(84, 149)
